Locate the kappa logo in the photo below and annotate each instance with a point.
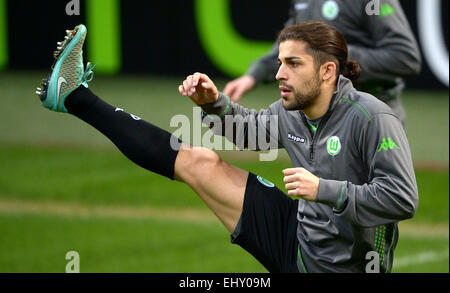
(296, 138)
(387, 145)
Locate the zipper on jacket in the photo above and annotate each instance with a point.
(311, 152)
(311, 146)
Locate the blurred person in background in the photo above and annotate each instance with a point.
(379, 38)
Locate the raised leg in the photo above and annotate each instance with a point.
(220, 185)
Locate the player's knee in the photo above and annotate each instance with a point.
(200, 163)
(204, 161)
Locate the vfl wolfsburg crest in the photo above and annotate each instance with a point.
(333, 145)
(330, 10)
(265, 182)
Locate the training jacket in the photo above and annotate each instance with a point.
(361, 154)
(383, 45)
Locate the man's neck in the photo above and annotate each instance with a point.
(320, 107)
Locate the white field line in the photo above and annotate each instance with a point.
(195, 215)
(85, 211)
(421, 230)
(421, 258)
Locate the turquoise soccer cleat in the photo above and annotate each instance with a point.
(67, 72)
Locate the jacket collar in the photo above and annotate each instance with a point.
(344, 87)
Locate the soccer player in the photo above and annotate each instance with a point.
(382, 43)
(353, 180)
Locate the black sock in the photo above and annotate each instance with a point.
(143, 143)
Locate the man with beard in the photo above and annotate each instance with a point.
(379, 38)
(354, 174)
(353, 180)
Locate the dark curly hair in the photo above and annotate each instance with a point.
(325, 43)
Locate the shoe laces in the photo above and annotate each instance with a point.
(89, 72)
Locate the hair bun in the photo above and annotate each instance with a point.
(352, 70)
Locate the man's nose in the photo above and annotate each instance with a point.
(281, 75)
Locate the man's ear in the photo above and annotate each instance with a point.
(328, 71)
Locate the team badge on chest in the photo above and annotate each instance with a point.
(334, 145)
(330, 10)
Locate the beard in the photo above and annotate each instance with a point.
(304, 96)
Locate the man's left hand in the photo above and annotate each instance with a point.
(301, 183)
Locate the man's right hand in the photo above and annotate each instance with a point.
(200, 88)
(235, 89)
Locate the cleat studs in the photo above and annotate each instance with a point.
(59, 43)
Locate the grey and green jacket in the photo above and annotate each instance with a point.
(361, 154)
(383, 44)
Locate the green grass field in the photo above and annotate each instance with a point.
(64, 187)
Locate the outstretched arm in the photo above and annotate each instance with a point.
(199, 88)
(255, 130)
